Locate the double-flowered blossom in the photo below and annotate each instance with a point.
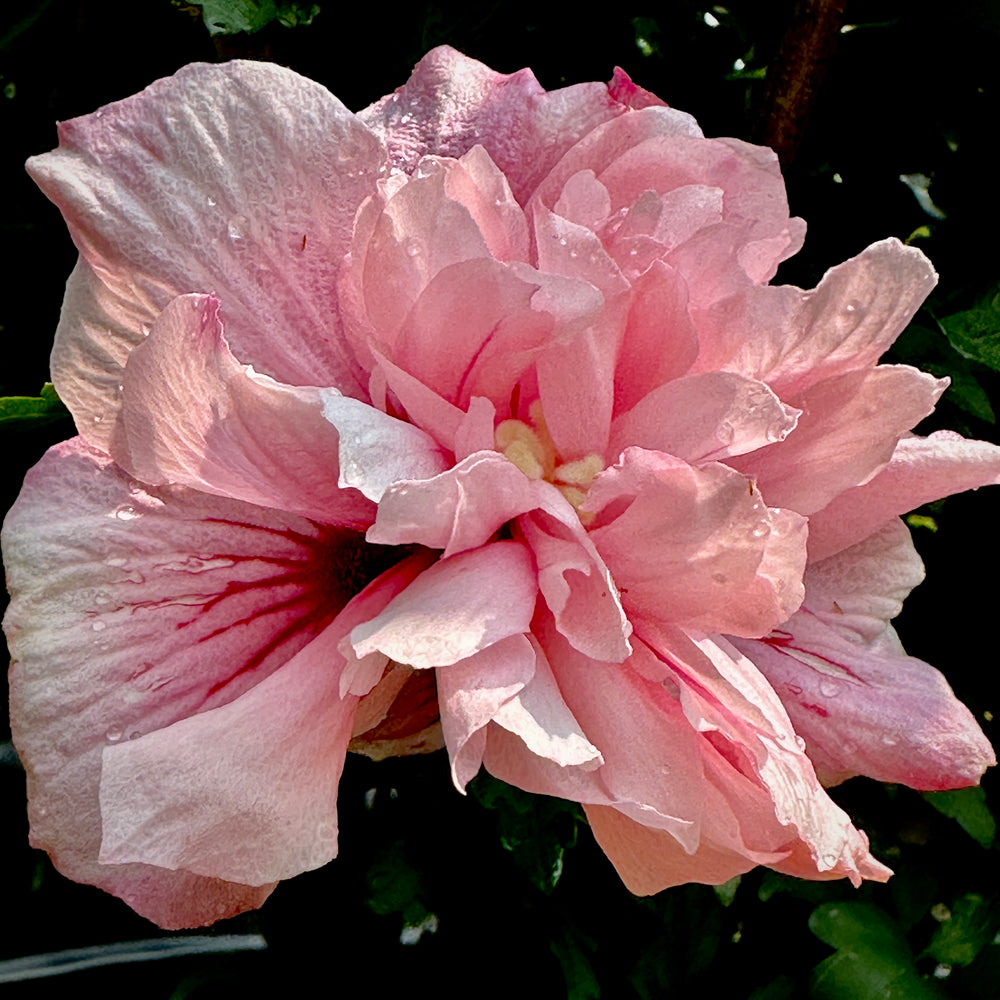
(471, 420)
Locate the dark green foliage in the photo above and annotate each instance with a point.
(975, 332)
(872, 957)
(536, 829)
(968, 807)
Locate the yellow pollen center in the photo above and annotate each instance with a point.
(530, 447)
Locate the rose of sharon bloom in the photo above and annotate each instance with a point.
(469, 420)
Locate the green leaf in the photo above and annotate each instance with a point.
(972, 924)
(536, 829)
(22, 412)
(726, 892)
(975, 332)
(967, 806)
(932, 350)
(782, 988)
(858, 925)
(394, 886)
(872, 958)
(229, 17)
(581, 983)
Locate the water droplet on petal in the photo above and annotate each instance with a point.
(113, 735)
(99, 626)
(829, 690)
(413, 247)
(237, 228)
(126, 513)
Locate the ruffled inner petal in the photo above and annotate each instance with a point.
(456, 608)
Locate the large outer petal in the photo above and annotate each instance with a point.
(861, 704)
(247, 791)
(240, 179)
(725, 696)
(792, 338)
(452, 103)
(133, 609)
(192, 414)
(920, 470)
(849, 427)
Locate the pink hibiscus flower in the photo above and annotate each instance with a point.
(469, 420)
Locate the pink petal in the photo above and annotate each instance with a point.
(539, 715)
(652, 767)
(457, 607)
(424, 407)
(462, 508)
(655, 224)
(360, 676)
(793, 339)
(377, 450)
(660, 342)
(861, 704)
(452, 103)
(241, 179)
(472, 691)
(623, 89)
(575, 582)
(245, 792)
(459, 509)
(721, 691)
(475, 430)
(649, 860)
(98, 327)
(420, 231)
(192, 414)
(508, 758)
(921, 470)
(704, 418)
(584, 200)
(870, 709)
(476, 182)
(474, 330)
(132, 609)
(860, 589)
(847, 432)
(696, 546)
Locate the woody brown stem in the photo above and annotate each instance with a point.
(795, 77)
